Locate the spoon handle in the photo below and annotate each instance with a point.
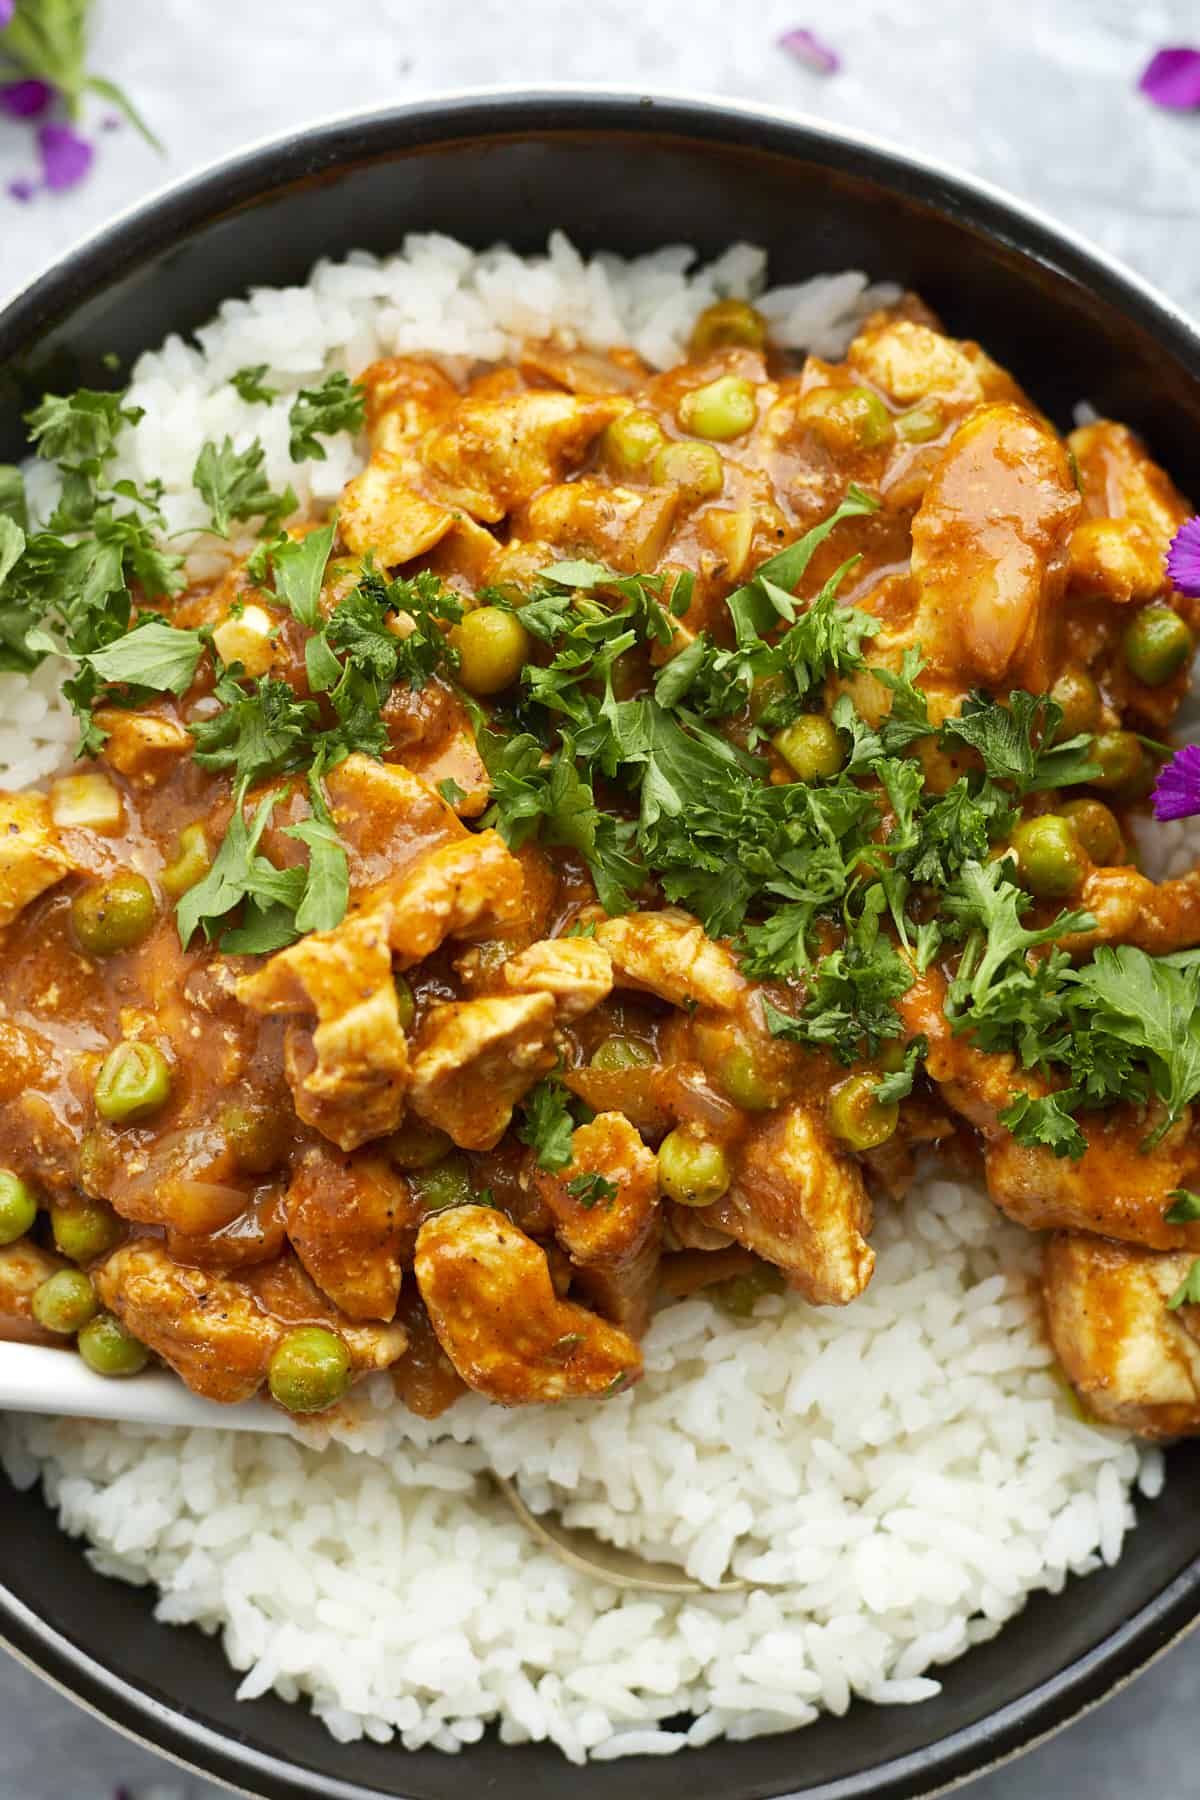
(40, 1380)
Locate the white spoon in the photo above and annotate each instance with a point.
(39, 1380)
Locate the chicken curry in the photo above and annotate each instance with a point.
(594, 866)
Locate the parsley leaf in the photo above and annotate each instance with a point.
(152, 655)
(12, 496)
(233, 485)
(339, 404)
(1017, 744)
(239, 874)
(591, 1188)
(546, 1124)
(1188, 1291)
(1155, 1009)
(298, 565)
(261, 730)
(327, 888)
(767, 597)
(1186, 1210)
(250, 387)
(1045, 1120)
(80, 429)
(899, 1084)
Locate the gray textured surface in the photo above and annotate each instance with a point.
(1039, 98)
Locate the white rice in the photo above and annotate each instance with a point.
(891, 1480)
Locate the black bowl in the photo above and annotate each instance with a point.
(626, 173)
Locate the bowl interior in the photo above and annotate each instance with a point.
(626, 175)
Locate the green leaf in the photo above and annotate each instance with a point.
(108, 90)
(327, 889)
(450, 791)
(589, 1189)
(261, 730)
(546, 1125)
(1188, 1291)
(80, 428)
(238, 873)
(758, 605)
(1016, 741)
(153, 655)
(299, 566)
(249, 385)
(12, 545)
(233, 485)
(1155, 1009)
(1186, 1210)
(12, 496)
(1045, 1120)
(899, 1084)
(339, 404)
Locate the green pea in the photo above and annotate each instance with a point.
(1121, 760)
(695, 468)
(113, 915)
(18, 1207)
(617, 1053)
(406, 1005)
(134, 1082)
(811, 746)
(65, 1302)
(741, 1293)
(415, 1145)
(856, 1116)
(728, 323)
(448, 1183)
(85, 1229)
(721, 409)
(852, 417)
(630, 441)
(190, 863)
(692, 1170)
(921, 423)
(108, 1349)
(1096, 828)
(1048, 856)
(1079, 697)
(257, 1136)
(493, 647)
(310, 1370)
(749, 1080)
(1156, 645)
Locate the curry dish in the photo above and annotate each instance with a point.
(593, 867)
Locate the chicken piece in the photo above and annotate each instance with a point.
(580, 371)
(1117, 560)
(607, 1217)
(668, 954)
(142, 745)
(386, 816)
(212, 1331)
(349, 1074)
(495, 454)
(1129, 908)
(798, 1204)
(23, 1268)
(466, 557)
(31, 856)
(351, 1221)
(472, 887)
(626, 528)
(491, 1301)
(405, 398)
(910, 361)
(979, 1084)
(576, 971)
(1132, 1361)
(474, 1059)
(990, 543)
(381, 512)
(1115, 1188)
(1120, 481)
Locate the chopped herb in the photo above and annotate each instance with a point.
(1017, 744)
(591, 1188)
(262, 729)
(339, 404)
(1186, 1210)
(233, 485)
(250, 386)
(152, 655)
(546, 1124)
(1188, 1291)
(450, 791)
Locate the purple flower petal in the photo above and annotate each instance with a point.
(22, 189)
(7, 9)
(66, 157)
(26, 99)
(807, 48)
(1172, 79)
(1177, 790)
(1183, 558)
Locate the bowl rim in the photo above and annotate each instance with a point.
(148, 229)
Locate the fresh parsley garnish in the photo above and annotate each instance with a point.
(339, 404)
(1186, 1207)
(546, 1124)
(591, 1188)
(233, 486)
(249, 385)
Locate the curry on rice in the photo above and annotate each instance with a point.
(595, 865)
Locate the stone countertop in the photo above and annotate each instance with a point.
(1040, 99)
